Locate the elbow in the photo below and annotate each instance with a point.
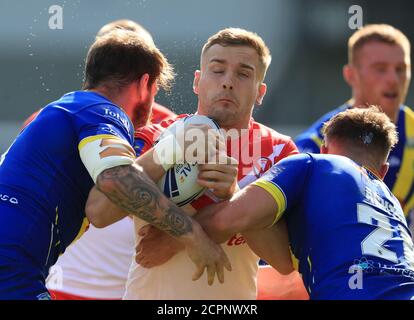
(283, 266)
(94, 213)
(95, 217)
(105, 186)
(98, 223)
(285, 270)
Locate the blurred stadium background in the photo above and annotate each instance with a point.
(307, 39)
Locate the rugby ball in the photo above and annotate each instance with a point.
(179, 183)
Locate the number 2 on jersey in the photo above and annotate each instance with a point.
(373, 244)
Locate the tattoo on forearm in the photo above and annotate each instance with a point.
(174, 219)
(136, 193)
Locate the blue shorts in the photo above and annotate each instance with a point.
(25, 252)
(21, 281)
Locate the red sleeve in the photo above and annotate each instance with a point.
(160, 113)
(146, 136)
(289, 149)
(30, 119)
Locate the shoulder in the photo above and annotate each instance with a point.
(311, 139)
(273, 142)
(152, 131)
(30, 119)
(269, 133)
(147, 135)
(321, 161)
(321, 168)
(409, 113)
(291, 172)
(88, 107)
(406, 131)
(301, 159)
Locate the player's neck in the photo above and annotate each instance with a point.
(363, 161)
(240, 126)
(118, 98)
(355, 154)
(374, 171)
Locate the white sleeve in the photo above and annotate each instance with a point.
(102, 152)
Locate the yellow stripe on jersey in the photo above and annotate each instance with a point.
(409, 206)
(295, 261)
(94, 138)
(115, 146)
(277, 194)
(56, 223)
(57, 216)
(310, 264)
(405, 177)
(315, 138)
(82, 229)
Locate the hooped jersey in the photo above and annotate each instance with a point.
(346, 228)
(172, 280)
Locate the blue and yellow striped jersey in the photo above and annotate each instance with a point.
(400, 176)
(346, 228)
(43, 171)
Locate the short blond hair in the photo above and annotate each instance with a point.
(242, 37)
(377, 33)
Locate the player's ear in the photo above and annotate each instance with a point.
(144, 79)
(143, 82)
(154, 88)
(384, 170)
(197, 75)
(324, 148)
(261, 93)
(348, 72)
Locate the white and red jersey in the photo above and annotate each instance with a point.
(96, 266)
(172, 280)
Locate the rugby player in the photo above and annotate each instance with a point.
(96, 266)
(379, 73)
(85, 138)
(343, 223)
(229, 84)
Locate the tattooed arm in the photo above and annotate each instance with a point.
(129, 188)
(101, 211)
